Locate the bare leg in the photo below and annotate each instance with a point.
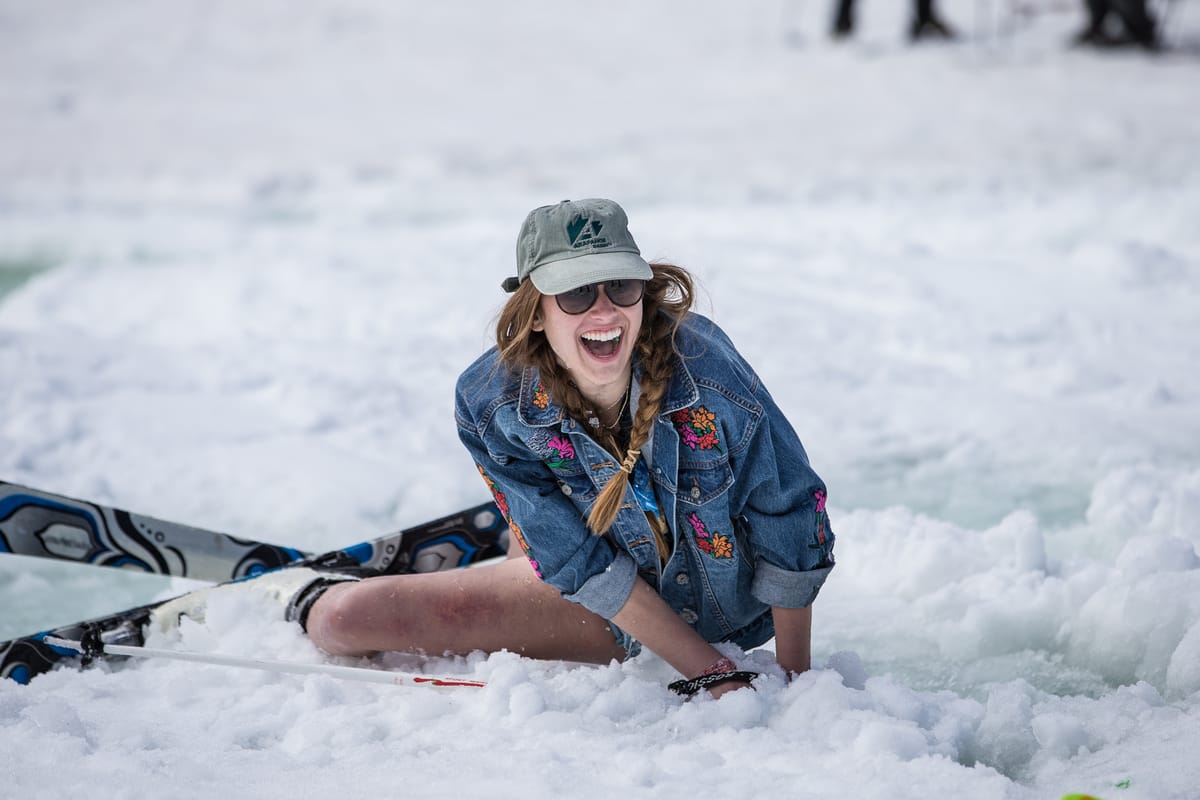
(497, 607)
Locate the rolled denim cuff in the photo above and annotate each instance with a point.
(786, 588)
(605, 594)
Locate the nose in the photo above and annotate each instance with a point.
(602, 302)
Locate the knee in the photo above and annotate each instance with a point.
(352, 619)
(335, 621)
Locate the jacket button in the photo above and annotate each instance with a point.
(682, 579)
(566, 489)
(689, 616)
(695, 492)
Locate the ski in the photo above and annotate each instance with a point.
(47, 525)
(457, 540)
(34, 522)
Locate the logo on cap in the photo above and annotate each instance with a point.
(584, 232)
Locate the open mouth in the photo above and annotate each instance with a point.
(602, 344)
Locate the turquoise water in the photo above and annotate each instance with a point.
(16, 270)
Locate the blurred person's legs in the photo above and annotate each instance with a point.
(925, 22)
(843, 18)
(1094, 32)
(1138, 25)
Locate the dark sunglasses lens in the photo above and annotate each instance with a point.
(625, 293)
(577, 300)
(622, 293)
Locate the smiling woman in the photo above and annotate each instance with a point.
(657, 494)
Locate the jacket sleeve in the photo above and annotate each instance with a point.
(783, 513)
(585, 568)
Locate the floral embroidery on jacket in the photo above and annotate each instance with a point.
(502, 504)
(822, 518)
(715, 544)
(697, 427)
(497, 495)
(819, 494)
(541, 398)
(564, 452)
(554, 449)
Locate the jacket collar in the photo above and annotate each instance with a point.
(534, 405)
(537, 409)
(681, 392)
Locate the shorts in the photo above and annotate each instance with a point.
(630, 645)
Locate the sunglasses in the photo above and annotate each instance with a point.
(622, 293)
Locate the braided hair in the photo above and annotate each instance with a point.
(667, 300)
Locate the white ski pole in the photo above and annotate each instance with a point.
(345, 673)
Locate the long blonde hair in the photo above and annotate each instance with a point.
(668, 298)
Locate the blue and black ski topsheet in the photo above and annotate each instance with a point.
(43, 524)
(472, 535)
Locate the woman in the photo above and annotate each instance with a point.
(656, 492)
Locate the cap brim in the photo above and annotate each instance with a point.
(561, 276)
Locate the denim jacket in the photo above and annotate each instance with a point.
(746, 512)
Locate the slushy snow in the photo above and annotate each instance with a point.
(246, 248)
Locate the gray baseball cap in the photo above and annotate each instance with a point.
(574, 243)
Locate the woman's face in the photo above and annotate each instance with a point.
(596, 346)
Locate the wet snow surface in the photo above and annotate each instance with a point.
(247, 247)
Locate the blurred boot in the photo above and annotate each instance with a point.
(843, 20)
(927, 25)
(931, 29)
(1096, 33)
(1138, 22)
(294, 589)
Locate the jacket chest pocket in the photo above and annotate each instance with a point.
(573, 480)
(560, 456)
(702, 482)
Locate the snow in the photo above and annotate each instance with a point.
(245, 249)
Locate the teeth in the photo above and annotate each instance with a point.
(603, 336)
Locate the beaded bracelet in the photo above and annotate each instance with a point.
(722, 671)
(687, 688)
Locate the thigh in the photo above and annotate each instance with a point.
(501, 606)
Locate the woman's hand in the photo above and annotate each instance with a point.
(731, 686)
